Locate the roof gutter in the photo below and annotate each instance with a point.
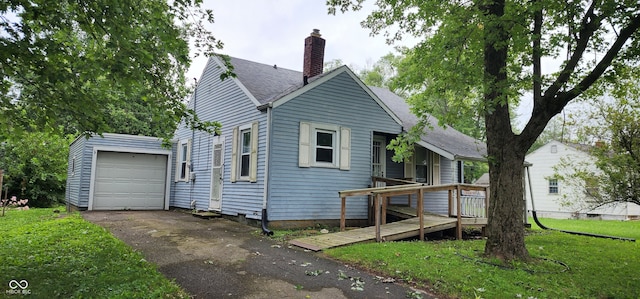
(265, 107)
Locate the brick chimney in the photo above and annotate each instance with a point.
(313, 56)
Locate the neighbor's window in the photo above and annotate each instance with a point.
(554, 149)
(245, 153)
(553, 186)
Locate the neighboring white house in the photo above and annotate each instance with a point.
(553, 199)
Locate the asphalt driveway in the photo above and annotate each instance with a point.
(216, 258)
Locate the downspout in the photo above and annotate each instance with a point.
(265, 195)
(193, 205)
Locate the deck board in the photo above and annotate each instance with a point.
(389, 232)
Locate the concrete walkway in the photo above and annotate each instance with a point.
(216, 258)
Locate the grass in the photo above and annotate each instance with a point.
(562, 265)
(64, 256)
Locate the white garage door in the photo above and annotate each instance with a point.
(129, 181)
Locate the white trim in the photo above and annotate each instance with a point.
(221, 141)
(180, 143)
(238, 155)
(235, 80)
(436, 150)
(344, 155)
(335, 147)
(121, 149)
(383, 153)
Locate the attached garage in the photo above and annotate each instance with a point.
(118, 172)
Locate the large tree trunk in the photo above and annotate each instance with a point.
(505, 230)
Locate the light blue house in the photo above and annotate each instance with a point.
(291, 140)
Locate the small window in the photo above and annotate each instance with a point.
(422, 163)
(325, 151)
(324, 145)
(554, 149)
(73, 166)
(553, 186)
(244, 157)
(245, 153)
(183, 163)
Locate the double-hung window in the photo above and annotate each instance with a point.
(183, 161)
(553, 186)
(324, 145)
(244, 153)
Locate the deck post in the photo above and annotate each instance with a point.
(343, 213)
(420, 212)
(385, 203)
(377, 215)
(459, 208)
(450, 193)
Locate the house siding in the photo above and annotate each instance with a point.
(228, 104)
(311, 193)
(434, 202)
(438, 202)
(79, 184)
(76, 178)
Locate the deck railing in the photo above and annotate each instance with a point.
(473, 203)
(473, 200)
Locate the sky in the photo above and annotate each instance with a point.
(273, 32)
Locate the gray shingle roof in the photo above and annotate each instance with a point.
(268, 83)
(446, 138)
(265, 81)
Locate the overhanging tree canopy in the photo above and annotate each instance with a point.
(70, 61)
(492, 51)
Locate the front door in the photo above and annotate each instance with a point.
(217, 171)
(378, 150)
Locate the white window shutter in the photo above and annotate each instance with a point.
(304, 145)
(188, 175)
(435, 158)
(178, 150)
(410, 166)
(234, 154)
(253, 165)
(345, 148)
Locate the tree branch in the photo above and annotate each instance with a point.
(590, 23)
(603, 64)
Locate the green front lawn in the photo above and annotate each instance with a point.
(563, 265)
(64, 256)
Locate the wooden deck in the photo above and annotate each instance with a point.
(389, 232)
(409, 212)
